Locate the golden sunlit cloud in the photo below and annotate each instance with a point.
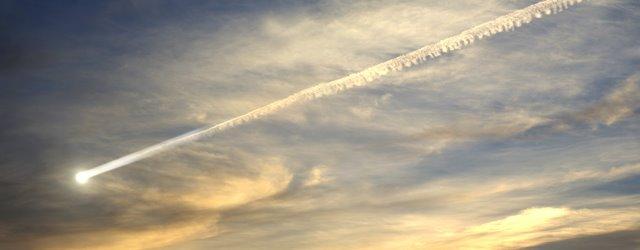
(210, 198)
(528, 227)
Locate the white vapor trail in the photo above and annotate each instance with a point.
(501, 24)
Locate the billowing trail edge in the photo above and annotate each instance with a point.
(501, 24)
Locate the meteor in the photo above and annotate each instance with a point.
(501, 24)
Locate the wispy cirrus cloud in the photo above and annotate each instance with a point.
(535, 125)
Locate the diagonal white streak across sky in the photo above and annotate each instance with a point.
(501, 24)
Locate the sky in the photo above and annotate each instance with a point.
(527, 140)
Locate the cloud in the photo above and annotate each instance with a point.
(624, 239)
(317, 175)
(154, 215)
(535, 225)
(457, 151)
(621, 102)
(135, 238)
(525, 228)
(618, 104)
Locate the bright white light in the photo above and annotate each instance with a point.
(82, 177)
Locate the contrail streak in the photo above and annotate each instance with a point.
(501, 24)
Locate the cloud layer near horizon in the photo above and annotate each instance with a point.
(530, 138)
